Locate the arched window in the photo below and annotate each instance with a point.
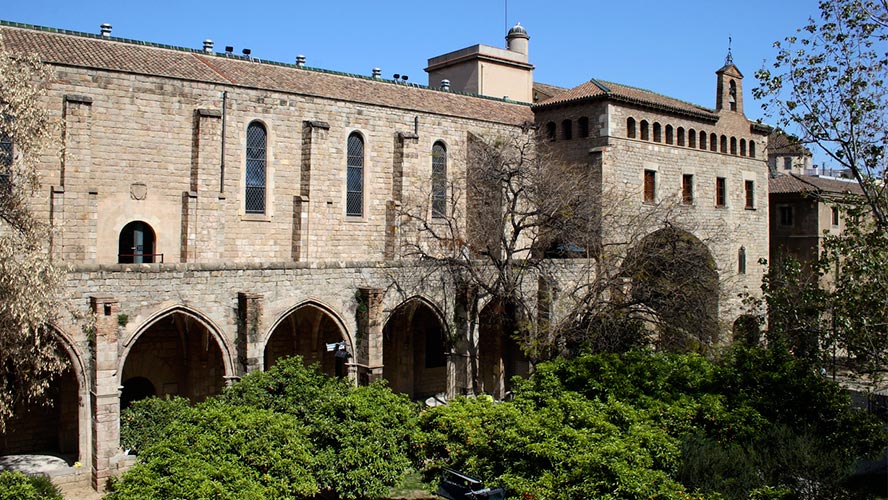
(583, 127)
(630, 128)
(741, 260)
(567, 130)
(136, 244)
(732, 95)
(658, 133)
(733, 145)
(254, 192)
(742, 147)
(550, 131)
(724, 144)
(692, 138)
(645, 131)
(752, 149)
(680, 136)
(669, 139)
(354, 179)
(702, 140)
(439, 180)
(5, 159)
(713, 142)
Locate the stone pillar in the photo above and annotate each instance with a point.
(314, 137)
(203, 214)
(73, 202)
(251, 353)
(369, 335)
(104, 391)
(462, 362)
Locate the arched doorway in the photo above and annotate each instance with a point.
(51, 427)
(673, 274)
(413, 351)
(176, 355)
(136, 244)
(499, 356)
(307, 331)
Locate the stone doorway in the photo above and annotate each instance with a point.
(413, 352)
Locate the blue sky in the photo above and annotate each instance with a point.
(672, 48)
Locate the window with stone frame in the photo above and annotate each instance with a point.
(787, 163)
(630, 128)
(583, 127)
(439, 180)
(255, 176)
(567, 130)
(721, 192)
(835, 216)
(650, 186)
(750, 194)
(354, 195)
(687, 189)
(741, 260)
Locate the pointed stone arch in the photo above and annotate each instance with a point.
(304, 330)
(181, 352)
(499, 356)
(415, 349)
(63, 426)
(674, 275)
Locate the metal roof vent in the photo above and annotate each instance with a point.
(106, 29)
(300, 60)
(229, 50)
(208, 46)
(377, 73)
(445, 84)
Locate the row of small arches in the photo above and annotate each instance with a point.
(693, 139)
(567, 129)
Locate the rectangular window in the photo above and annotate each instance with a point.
(721, 194)
(785, 215)
(787, 163)
(687, 189)
(650, 186)
(835, 216)
(750, 194)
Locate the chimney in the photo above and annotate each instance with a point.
(377, 73)
(445, 85)
(300, 60)
(106, 29)
(208, 46)
(229, 49)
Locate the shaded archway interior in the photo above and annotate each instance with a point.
(673, 273)
(499, 356)
(175, 356)
(49, 428)
(414, 355)
(306, 332)
(136, 244)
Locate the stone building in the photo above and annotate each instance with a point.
(219, 212)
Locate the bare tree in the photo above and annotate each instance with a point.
(571, 257)
(29, 279)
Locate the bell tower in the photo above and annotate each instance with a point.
(729, 89)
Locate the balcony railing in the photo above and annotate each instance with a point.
(147, 258)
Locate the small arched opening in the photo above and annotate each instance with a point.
(136, 244)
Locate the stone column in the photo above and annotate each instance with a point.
(314, 138)
(73, 200)
(104, 391)
(461, 364)
(203, 214)
(251, 353)
(369, 334)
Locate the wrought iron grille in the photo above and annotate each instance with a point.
(254, 194)
(439, 180)
(354, 200)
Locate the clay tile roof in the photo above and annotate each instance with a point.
(66, 48)
(600, 89)
(783, 144)
(792, 183)
(544, 91)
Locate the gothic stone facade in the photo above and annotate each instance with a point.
(219, 213)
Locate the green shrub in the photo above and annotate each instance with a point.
(145, 421)
(18, 486)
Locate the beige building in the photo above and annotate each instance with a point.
(219, 212)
